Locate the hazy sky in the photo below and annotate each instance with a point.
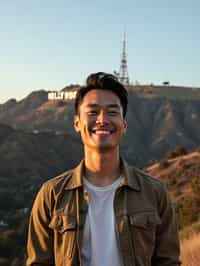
(51, 44)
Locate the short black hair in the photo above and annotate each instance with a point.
(102, 81)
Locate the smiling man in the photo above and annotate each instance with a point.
(104, 212)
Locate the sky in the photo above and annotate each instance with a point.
(51, 44)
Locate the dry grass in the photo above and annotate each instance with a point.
(190, 251)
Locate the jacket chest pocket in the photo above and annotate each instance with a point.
(64, 227)
(143, 232)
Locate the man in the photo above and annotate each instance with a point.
(103, 212)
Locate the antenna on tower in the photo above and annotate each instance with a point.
(123, 72)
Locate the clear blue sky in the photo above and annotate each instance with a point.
(51, 44)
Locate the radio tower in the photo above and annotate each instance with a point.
(123, 72)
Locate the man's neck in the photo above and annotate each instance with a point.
(102, 169)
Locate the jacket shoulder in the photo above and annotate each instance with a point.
(153, 188)
(147, 179)
(58, 182)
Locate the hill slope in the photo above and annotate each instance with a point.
(182, 177)
(156, 124)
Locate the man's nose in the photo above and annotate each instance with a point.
(102, 117)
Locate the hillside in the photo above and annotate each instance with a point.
(177, 173)
(182, 178)
(25, 154)
(156, 124)
(167, 91)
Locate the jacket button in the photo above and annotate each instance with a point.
(86, 195)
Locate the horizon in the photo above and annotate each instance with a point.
(48, 45)
(153, 85)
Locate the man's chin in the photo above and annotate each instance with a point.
(103, 148)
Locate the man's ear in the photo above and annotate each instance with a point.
(77, 123)
(125, 125)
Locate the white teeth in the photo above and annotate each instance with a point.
(102, 132)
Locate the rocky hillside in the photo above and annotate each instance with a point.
(182, 177)
(29, 155)
(167, 91)
(177, 173)
(156, 123)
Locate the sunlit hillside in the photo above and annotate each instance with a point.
(180, 171)
(190, 255)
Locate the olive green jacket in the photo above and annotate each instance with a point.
(145, 221)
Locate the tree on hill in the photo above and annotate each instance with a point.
(178, 151)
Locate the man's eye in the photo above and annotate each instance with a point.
(113, 113)
(92, 112)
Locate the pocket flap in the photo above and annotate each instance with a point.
(63, 223)
(144, 220)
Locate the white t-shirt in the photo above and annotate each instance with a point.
(100, 245)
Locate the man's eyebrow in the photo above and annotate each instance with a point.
(94, 105)
(114, 105)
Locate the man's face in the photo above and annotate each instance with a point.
(100, 120)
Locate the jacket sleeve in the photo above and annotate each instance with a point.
(40, 236)
(167, 250)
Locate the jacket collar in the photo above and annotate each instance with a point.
(129, 176)
(128, 173)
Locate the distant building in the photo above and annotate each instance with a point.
(166, 83)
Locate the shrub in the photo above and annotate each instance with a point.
(179, 150)
(177, 193)
(61, 103)
(172, 181)
(195, 184)
(170, 155)
(163, 164)
(187, 210)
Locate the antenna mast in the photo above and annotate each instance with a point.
(123, 72)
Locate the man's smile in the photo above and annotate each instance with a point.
(102, 131)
